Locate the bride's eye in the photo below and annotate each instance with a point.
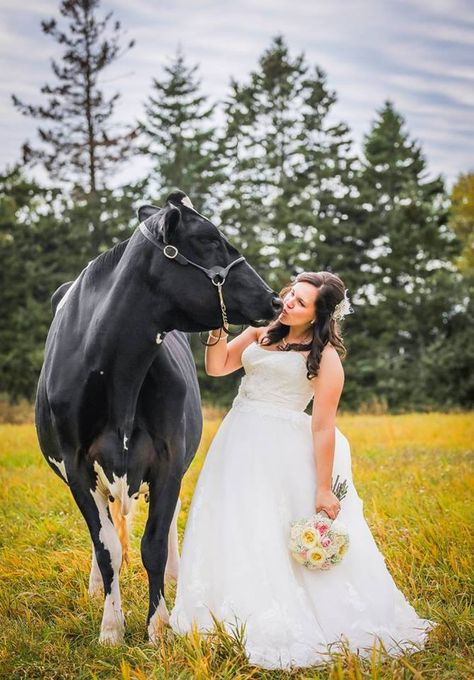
(297, 299)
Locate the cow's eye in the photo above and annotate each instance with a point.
(207, 240)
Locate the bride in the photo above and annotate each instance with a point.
(270, 464)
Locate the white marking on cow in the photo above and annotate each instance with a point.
(101, 372)
(187, 202)
(172, 563)
(159, 339)
(61, 467)
(62, 301)
(125, 440)
(118, 487)
(96, 584)
(113, 624)
(159, 619)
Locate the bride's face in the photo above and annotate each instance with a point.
(299, 304)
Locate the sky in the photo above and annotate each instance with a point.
(418, 53)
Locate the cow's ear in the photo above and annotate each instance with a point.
(168, 222)
(146, 211)
(179, 198)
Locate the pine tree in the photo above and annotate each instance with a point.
(179, 137)
(46, 238)
(37, 255)
(100, 219)
(79, 140)
(289, 170)
(409, 288)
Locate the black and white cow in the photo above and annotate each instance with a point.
(118, 408)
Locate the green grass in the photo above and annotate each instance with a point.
(415, 475)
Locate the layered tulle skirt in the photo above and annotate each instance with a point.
(259, 475)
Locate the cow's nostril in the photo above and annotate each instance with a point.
(277, 304)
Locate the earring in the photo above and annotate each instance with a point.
(313, 322)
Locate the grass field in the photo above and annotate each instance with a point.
(415, 475)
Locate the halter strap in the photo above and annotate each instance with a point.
(216, 274)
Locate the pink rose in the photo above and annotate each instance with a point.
(325, 542)
(322, 528)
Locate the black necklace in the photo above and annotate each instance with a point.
(284, 346)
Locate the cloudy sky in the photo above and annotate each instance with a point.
(418, 53)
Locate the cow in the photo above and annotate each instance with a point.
(118, 411)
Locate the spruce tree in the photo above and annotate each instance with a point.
(46, 238)
(37, 255)
(179, 136)
(100, 219)
(80, 143)
(449, 360)
(410, 284)
(289, 170)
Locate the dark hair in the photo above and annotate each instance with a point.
(325, 329)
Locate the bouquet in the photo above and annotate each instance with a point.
(318, 542)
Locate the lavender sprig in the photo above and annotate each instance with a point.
(339, 489)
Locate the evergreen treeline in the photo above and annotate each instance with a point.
(279, 175)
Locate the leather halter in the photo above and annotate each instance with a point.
(216, 274)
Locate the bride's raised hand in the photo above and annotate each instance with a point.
(326, 500)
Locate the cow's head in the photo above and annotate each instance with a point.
(191, 296)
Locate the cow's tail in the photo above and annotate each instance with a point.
(122, 526)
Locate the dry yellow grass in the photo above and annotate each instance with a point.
(414, 473)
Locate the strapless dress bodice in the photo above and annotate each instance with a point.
(274, 378)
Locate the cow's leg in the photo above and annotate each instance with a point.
(163, 499)
(172, 563)
(108, 552)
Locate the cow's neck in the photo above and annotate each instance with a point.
(125, 338)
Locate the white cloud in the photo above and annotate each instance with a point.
(415, 52)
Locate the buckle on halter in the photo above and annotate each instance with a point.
(172, 254)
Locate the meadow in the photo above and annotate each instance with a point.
(414, 473)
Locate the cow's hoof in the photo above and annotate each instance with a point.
(159, 634)
(169, 634)
(112, 632)
(111, 637)
(158, 623)
(157, 631)
(165, 634)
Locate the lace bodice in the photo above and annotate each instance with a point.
(273, 377)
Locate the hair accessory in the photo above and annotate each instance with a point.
(343, 308)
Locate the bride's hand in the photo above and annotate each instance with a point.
(326, 500)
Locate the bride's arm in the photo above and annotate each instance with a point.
(221, 358)
(327, 388)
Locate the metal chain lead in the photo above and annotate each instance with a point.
(223, 307)
(225, 323)
(224, 319)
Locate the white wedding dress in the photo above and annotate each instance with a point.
(259, 475)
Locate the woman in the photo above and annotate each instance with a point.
(268, 465)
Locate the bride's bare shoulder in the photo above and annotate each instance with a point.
(260, 333)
